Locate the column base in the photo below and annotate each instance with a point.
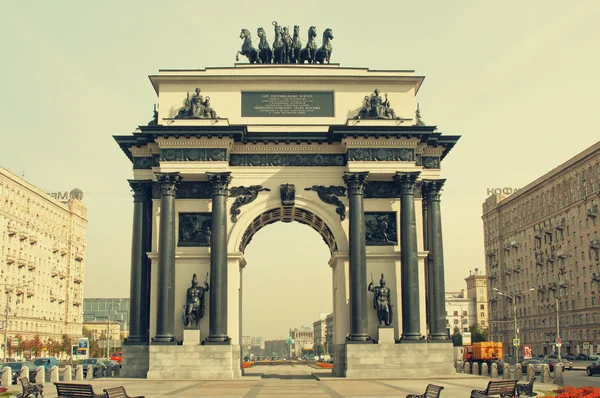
(412, 338)
(218, 340)
(439, 337)
(359, 338)
(136, 360)
(164, 339)
(136, 340)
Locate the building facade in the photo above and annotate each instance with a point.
(478, 294)
(329, 332)
(303, 341)
(102, 309)
(42, 259)
(319, 333)
(459, 312)
(541, 247)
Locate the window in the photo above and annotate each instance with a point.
(482, 307)
(455, 313)
(456, 321)
(483, 315)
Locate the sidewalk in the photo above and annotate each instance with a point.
(296, 381)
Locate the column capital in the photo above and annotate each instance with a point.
(220, 182)
(141, 189)
(432, 189)
(356, 182)
(169, 183)
(407, 182)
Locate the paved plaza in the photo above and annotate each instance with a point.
(292, 381)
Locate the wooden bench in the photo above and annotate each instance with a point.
(432, 391)
(504, 388)
(30, 389)
(75, 390)
(118, 392)
(526, 388)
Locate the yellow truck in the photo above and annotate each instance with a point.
(486, 351)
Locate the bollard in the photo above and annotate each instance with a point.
(530, 372)
(25, 372)
(117, 372)
(459, 368)
(494, 370)
(506, 372)
(484, 370)
(558, 375)
(54, 374)
(89, 374)
(468, 368)
(40, 375)
(6, 376)
(546, 374)
(518, 371)
(99, 372)
(79, 372)
(67, 375)
(476, 368)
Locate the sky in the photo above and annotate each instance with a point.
(517, 80)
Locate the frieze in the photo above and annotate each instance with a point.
(287, 159)
(387, 190)
(194, 229)
(380, 228)
(194, 155)
(142, 163)
(330, 195)
(187, 190)
(381, 154)
(243, 196)
(430, 162)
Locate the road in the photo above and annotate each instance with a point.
(579, 378)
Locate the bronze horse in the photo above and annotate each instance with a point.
(265, 55)
(310, 51)
(296, 48)
(324, 53)
(248, 49)
(278, 50)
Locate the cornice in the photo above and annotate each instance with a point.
(399, 142)
(239, 148)
(140, 151)
(184, 142)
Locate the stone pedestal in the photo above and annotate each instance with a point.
(135, 360)
(194, 362)
(191, 336)
(385, 335)
(381, 361)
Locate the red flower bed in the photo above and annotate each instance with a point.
(325, 365)
(3, 390)
(581, 392)
(247, 364)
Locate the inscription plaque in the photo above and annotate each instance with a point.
(287, 104)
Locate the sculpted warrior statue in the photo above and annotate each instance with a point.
(381, 302)
(194, 302)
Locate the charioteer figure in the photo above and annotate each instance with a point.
(382, 302)
(194, 302)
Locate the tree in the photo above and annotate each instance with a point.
(36, 345)
(66, 344)
(94, 349)
(478, 335)
(457, 340)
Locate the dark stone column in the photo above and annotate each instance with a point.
(218, 260)
(147, 266)
(431, 193)
(359, 331)
(165, 314)
(138, 286)
(428, 281)
(410, 260)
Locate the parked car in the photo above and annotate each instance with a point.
(110, 364)
(117, 356)
(15, 368)
(567, 365)
(594, 357)
(47, 363)
(537, 365)
(583, 357)
(569, 357)
(594, 368)
(97, 366)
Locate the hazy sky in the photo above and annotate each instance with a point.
(517, 79)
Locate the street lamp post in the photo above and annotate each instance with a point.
(513, 296)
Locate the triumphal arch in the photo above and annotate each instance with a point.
(233, 149)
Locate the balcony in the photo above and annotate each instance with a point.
(552, 286)
(31, 265)
(538, 235)
(517, 269)
(563, 283)
(77, 279)
(12, 230)
(550, 258)
(10, 259)
(23, 235)
(592, 212)
(514, 243)
(21, 262)
(595, 244)
(54, 273)
(548, 230)
(541, 289)
(494, 265)
(63, 251)
(61, 300)
(76, 301)
(62, 275)
(508, 271)
(539, 260)
(507, 247)
(596, 276)
(561, 254)
(33, 239)
(30, 292)
(78, 256)
(560, 224)
(19, 291)
(55, 249)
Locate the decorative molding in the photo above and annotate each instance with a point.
(288, 194)
(432, 189)
(397, 142)
(382, 189)
(168, 183)
(219, 182)
(141, 189)
(187, 190)
(140, 152)
(286, 159)
(244, 196)
(172, 142)
(381, 154)
(194, 229)
(406, 182)
(356, 182)
(141, 163)
(330, 195)
(430, 162)
(287, 148)
(194, 155)
(380, 229)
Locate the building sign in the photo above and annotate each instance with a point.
(287, 104)
(527, 352)
(498, 191)
(62, 196)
